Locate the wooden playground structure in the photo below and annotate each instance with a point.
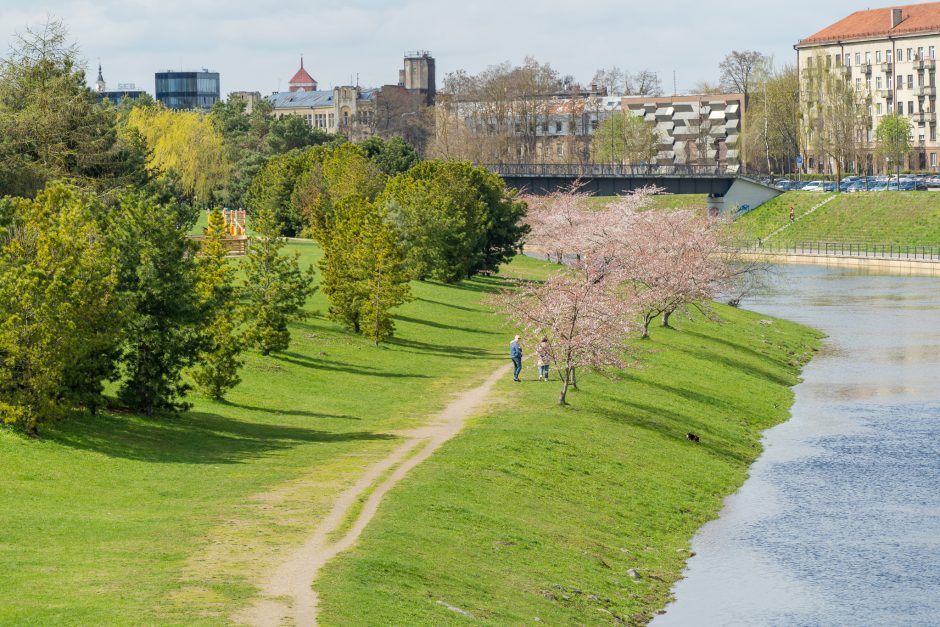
(235, 233)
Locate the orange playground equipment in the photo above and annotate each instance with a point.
(235, 232)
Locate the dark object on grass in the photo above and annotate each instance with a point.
(691, 437)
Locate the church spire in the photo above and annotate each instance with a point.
(100, 84)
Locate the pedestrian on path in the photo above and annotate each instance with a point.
(515, 353)
(544, 352)
(792, 215)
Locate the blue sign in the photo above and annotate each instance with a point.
(799, 160)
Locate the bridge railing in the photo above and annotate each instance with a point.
(844, 249)
(609, 170)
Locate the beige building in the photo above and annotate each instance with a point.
(889, 56)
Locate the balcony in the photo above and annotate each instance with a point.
(925, 64)
(925, 117)
(887, 94)
(926, 92)
(887, 67)
(845, 69)
(865, 68)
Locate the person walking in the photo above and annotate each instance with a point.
(544, 352)
(515, 353)
(792, 215)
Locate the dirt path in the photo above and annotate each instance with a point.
(289, 594)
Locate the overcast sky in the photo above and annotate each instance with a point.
(256, 45)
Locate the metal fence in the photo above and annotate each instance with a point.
(846, 249)
(589, 170)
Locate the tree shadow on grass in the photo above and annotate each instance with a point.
(744, 367)
(741, 348)
(191, 438)
(670, 425)
(475, 310)
(288, 412)
(427, 348)
(438, 325)
(484, 285)
(323, 364)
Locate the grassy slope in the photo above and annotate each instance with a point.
(902, 218)
(539, 511)
(122, 520)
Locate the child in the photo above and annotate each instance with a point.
(544, 353)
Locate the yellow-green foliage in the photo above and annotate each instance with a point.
(185, 142)
(60, 316)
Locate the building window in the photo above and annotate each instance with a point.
(877, 82)
(910, 81)
(932, 52)
(848, 60)
(933, 160)
(878, 57)
(888, 56)
(868, 84)
(910, 54)
(910, 107)
(809, 62)
(890, 84)
(868, 58)
(858, 83)
(920, 52)
(558, 127)
(878, 108)
(858, 58)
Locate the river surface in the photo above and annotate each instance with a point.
(839, 522)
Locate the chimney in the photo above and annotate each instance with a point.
(895, 17)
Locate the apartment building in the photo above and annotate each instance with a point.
(889, 56)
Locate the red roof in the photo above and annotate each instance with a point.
(302, 77)
(915, 18)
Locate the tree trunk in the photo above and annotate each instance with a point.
(574, 378)
(646, 326)
(564, 387)
(666, 315)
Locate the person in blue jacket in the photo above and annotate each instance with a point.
(515, 353)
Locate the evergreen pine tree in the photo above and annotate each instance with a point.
(364, 269)
(220, 358)
(275, 286)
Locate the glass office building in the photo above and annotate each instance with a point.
(188, 90)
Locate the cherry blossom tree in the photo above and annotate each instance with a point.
(671, 261)
(583, 313)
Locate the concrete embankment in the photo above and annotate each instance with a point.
(906, 266)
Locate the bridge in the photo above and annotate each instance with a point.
(727, 189)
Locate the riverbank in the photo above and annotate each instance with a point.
(581, 514)
(889, 218)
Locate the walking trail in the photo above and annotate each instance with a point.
(289, 593)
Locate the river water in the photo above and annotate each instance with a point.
(839, 522)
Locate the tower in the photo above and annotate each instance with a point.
(302, 81)
(418, 74)
(100, 85)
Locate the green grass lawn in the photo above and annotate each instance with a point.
(537, 512)
(900, 218)
(118, 519)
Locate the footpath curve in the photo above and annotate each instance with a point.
(289, 594)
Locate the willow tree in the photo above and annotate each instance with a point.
(186, 143)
